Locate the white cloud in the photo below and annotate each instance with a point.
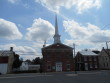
(70, 42)
(25, 52)
(81, 5)
(19, 49)
(9, 30)
(84, 44)
(26, 5)
(89, 32)
(41, 30)
(74, 29)
(12, 1)
(85, 35)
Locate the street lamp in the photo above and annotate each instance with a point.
(74, 59)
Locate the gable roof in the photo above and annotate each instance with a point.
(106, 51)
(5, 53)
(88, 53)
(57, 45)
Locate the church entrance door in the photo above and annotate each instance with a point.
(58, 67)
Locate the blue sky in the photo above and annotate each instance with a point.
(25, 24)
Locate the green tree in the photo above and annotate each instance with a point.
(17, 62)
(29, 61)
(37, 60)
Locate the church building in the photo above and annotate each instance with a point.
(58, 56)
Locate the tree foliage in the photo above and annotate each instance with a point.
(17, 62)
(37, 60)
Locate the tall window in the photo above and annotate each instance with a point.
(90, 58)
(91, 65)
(80, 59)
(85, 58)
(104, 64)
(95, 58)
(48, 67)
(48, 57)
(107, 64)
(96, 65)
(103, 58)
(58, 58)
(68, 66)
(106, 58)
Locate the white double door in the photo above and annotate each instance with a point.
(58, 67)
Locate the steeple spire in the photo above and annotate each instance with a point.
(56, 36)
(56, 25)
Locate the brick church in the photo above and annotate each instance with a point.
(57, 57)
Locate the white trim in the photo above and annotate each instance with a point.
(58, 67)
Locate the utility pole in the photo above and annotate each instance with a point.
(74, 59)
(107, 45)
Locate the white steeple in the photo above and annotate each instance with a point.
(56, 36)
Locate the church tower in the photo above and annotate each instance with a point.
(57, 57)
(56, 36)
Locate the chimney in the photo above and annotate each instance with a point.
(11, 48)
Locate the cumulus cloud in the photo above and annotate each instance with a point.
(25, 52)
(18, 49)
(83, 5)
(84, 44)
(74, 29)
(41, 30)
(85, 35)
(89, 32)
(80, 5)
(9, 30)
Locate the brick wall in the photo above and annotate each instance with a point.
(57, 53)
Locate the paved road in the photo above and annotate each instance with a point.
(64, 77)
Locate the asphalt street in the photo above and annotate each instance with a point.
(59, 77)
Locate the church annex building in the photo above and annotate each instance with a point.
(57, 57)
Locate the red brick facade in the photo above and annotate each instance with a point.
(57, 57)
(86, 62)
(3, 59)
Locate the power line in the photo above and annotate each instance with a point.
(105, 26)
